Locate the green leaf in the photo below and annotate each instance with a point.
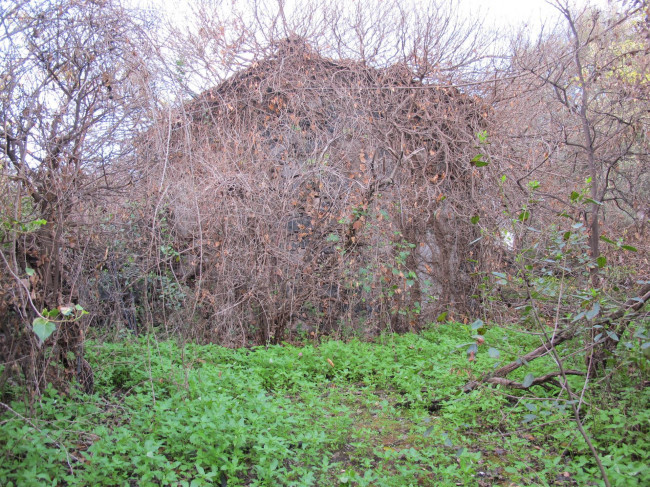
(475, 219)
(605, 239)
(528, 380)
(601, 261)
(53, 313)
(523, 216)
(332, 237)
(477, 161)
(29, 271)
(529, 417)
(441, 317)
(629, 247)
(577, 317)
(477, 324)
(574, 196)
(43, 328)
(66, 310)
(589, 200)
(493, 352)
(593, 312)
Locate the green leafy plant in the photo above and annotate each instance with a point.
(384, 413)
(46, 324)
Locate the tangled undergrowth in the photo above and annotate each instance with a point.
(388, 413)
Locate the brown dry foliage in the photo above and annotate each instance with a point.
(304, 190)
(72, 95)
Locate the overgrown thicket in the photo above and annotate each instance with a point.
(272, 173)
(323, 195)
(323, 186)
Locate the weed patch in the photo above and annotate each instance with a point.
(388, 413)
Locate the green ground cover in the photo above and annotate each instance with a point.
(387, 413)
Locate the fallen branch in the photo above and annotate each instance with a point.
(542, 380)
(607, 345)
(498, 376)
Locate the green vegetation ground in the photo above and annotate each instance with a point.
(388, 413)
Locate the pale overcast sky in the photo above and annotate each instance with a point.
(512, 13)
(500, 13)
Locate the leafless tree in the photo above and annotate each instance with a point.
(71, 74)
(583, 115)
